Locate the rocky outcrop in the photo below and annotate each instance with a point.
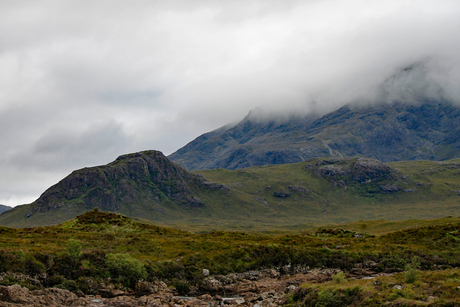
(141, 176)
(371, 174)
(144, 184)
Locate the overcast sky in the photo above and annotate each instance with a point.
(82, 82)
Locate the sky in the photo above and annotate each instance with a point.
(82, 82)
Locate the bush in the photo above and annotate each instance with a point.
(339, 277)
(33, 267)
(70, 285)
(181, 286)
(412, 274)
(125, 269)
(327, 297)
(73, 249)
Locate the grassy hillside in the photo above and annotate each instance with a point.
(81, 252)
(286, 197)
(427, 190)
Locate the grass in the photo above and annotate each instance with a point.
(433, 288)
(76, 250)
(428, 190)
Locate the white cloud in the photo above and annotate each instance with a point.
(82, 82)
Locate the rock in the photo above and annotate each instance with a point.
(389, 187)
(397, 287)
(216, 186)
(205, 272)
(195, 202)
(144, 287)
(196, 303)
(205, 297)
(282, 194)
(245, 286)
(210, 284)
(370, 264)
(218, 297)
(290, 288)
(15, 294)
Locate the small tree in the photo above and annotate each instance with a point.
(125, 269)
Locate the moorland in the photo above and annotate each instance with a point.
(406, 263)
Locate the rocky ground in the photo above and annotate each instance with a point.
(255, 288)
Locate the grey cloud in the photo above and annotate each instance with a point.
(82, 82)
(65, 150)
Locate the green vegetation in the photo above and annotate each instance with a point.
(433, 288)
(113, 246)
(267, 199)
(125, 269)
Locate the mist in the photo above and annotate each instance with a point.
(83, 82)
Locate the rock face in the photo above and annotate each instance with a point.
(426, 130)
(370, 174)
(144, 184)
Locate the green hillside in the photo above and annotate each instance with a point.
(266, 198)
(300, 195)
(85, 252)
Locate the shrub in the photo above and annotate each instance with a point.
(411, 273)
(338, 278)
(73, 249)
(70, 285)
(181, 286)
(125, 269)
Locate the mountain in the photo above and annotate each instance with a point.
(426, 130)
(145, 185)
(4, 208)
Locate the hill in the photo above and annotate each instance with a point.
(425, 130)
(144, 184)
(318, 191)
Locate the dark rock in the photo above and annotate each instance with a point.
(389, 187)
(282, 194)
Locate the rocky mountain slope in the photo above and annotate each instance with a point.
(144, 184)
(427, 130)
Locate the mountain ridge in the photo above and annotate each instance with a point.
(396, 131)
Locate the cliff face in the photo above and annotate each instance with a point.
(428, 130)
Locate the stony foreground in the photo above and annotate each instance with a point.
(257, 288)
